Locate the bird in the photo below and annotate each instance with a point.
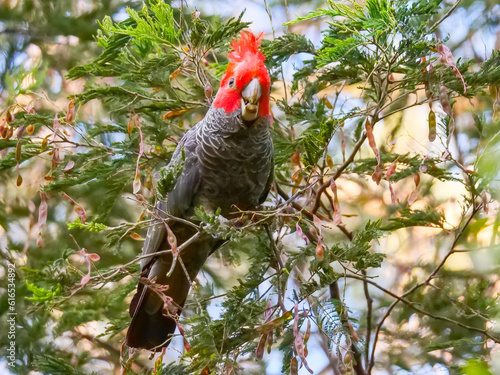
(227, 166)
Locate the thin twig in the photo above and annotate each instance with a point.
(423, 312)
(419, 285)
(438, 22)
(339, 171)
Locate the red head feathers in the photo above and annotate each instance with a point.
(247, 63)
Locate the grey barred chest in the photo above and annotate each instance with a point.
(234, 172)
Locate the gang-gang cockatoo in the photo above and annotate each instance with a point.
(228, 163)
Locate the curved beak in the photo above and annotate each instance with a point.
(250, 100)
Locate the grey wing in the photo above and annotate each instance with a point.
(270, 179)
(179, 199)
(156, 234)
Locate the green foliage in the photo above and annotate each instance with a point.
(414, 218)
(148, 80)
(53, 365)
(41, 294)
(282, 48)
(89, 226)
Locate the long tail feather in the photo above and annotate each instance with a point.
(154, 313)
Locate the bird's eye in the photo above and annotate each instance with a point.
(231, 82)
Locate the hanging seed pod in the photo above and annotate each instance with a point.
(432, 126)
(55, 157)
(320, 249)
(337, 215)
(294, 366)
(20, 132)
(9, 132)
(132, 122)
(18, 151)
(342, 142)
(296, 158)
(42, 218)
(70, 113)
(137, 183)
(269, 342)
(175, 73)
(30, 129)
(10, 117)
(300, 232)
(259, 352)
(136, 236)
(445, 100)
(377, 175)
(329, 161)
(208, 90)
(45, 140)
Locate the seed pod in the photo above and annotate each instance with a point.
(259, 352)
(132, 122)
(296, 158)
(137, 182)
(20, 132)
(70, 114)
(300, 232)
(377, 175)
(30, 129)
(18, 151)
(294, 366)
(317, 223)
(297, 177)
(172, 241)
(9, 132)
(432, 126)
(269, 342)
(136, 236)
(342, 142)
(319, 249)
(308, 332)
(445, 101)
(329, 161)
(55, 158)
(42, 218)
(81, 213)
(10, 117)
(416, 179)
(337, 216)
(391, 170)
(208, 90)
(43, 147)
